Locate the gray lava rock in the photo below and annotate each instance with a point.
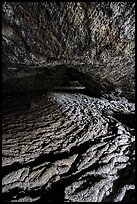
(68, 146)
(65, 148)
(95, 40)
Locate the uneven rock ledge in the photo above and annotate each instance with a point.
(68, 147)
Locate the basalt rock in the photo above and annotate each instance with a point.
(94, 40)
(67, 147)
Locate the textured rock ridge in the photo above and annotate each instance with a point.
(70, 145)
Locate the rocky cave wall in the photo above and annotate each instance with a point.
(68, 145)
(93, 41)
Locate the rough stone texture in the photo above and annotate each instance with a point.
(95, 40)
(67, 147)
(76, 145)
